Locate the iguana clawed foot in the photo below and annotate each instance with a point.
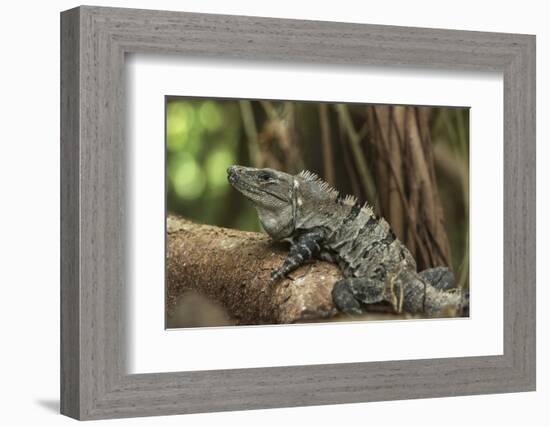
(276, 275)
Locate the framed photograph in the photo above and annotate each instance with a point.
(261, 213)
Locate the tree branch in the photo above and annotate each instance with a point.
(233, 268)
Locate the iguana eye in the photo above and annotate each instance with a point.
(264, 176)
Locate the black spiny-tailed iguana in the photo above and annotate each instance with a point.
(320, 223)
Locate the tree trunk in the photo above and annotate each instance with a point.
(405, 181)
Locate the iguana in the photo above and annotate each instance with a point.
(320, 223)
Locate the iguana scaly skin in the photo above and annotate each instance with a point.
(320, 223)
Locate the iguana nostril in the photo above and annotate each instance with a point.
(231, 174)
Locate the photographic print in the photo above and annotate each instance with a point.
(285, 212)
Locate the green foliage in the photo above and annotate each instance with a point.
(203, 138)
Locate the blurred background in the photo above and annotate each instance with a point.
(410, 163)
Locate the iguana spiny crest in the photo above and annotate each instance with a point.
(320, 223)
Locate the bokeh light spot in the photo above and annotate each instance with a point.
(210, 116)
(179, 122)
(188, 178)
(216, 166)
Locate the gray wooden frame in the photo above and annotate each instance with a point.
(94, 41)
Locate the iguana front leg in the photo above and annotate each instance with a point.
(303, 248)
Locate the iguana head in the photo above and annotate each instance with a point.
(271, 193)
(283, 201)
